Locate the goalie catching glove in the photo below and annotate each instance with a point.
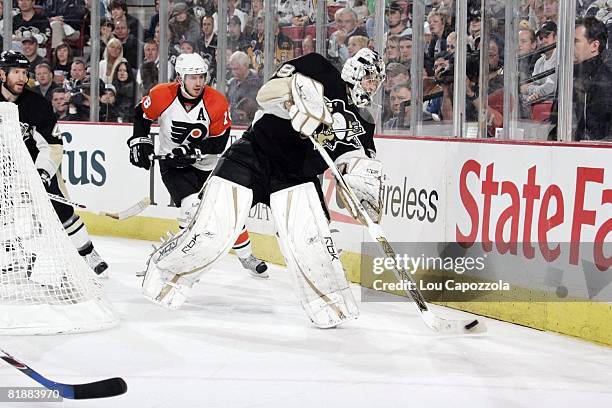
(364, 177)
(309, 109)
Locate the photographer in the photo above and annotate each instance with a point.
(80, 99)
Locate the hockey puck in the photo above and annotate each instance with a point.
(561, 292)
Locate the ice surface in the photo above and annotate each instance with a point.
(243, 342)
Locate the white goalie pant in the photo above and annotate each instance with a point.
(311, 256)
(173, 268)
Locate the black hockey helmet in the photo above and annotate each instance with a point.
(13, 59)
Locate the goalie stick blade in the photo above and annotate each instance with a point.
(450, 326)
(100, 389)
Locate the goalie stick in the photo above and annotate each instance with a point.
(110, 387)
(133, 210)
(436, 323)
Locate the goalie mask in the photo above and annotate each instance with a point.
(364, 72)
(190, 64)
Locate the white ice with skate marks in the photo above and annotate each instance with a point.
(242, 342)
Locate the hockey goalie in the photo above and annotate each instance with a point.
(274, 163)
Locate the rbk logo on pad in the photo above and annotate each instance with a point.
(185, 131)
(345, 128)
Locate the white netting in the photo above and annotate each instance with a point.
(45, 286)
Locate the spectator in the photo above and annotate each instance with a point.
(399, 93)
(129, 42)
(346, 21)
(282, 52)
(355, 43)
(236, 40)
(308, 45)
(187, 47)
(527, 45)
(592, 82)
(106, 34)
(396, 73)
(207, 45)
(393, 17)
(451, 43)
(151, 55)
(78, 71)
(496, 64)
(66, 19)
(80, 100)
(108, 105)
(253, 12)
(183, 25)
(44, 79)
(547, 34)
(392, 51)
(113, 54)
(62, 59)
(245, 111)
(148, 76)
(439, 31)
(125, 85)
(29, 47)
(551, 10)
(28, 20)
(474, 26)
(60, 103)
(119, 11)
(233, 11)
(154, 21)
(405, 48)
(245, 83)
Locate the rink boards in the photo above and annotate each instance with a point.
(436, 191)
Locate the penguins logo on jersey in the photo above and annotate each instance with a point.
(345, 127)
(186, 131)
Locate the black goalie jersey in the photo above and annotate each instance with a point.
(293, 156)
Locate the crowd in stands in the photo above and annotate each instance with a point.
(55, 36)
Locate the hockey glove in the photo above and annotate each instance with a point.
(45, 178)
(183, 156)
(364, 177)
(309, 109)
(141, 148)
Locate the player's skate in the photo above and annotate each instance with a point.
(256, 267)
(95, 262)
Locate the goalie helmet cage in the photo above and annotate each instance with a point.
(45, 286)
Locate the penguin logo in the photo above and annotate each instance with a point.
(345, 128)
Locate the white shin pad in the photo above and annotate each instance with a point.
(173, 268)
(311, 255)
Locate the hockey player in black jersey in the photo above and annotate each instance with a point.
(44, 143)
(275, 163)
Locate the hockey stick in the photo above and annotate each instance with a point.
(66, 201)
(436, 323)
(133, 210)
(129, 212)
(110, 387)
(162, 157)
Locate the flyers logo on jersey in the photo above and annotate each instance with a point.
(185, 131)
(345, 128)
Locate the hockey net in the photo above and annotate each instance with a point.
(45, 286)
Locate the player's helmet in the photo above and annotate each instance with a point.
(191, 64)
(364, 63)
(13, 59)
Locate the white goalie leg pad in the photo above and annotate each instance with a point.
(311, 256)
(189, 206)
(174, 267)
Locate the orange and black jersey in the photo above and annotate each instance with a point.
(203, 123)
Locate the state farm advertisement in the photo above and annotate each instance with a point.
(539, 215)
